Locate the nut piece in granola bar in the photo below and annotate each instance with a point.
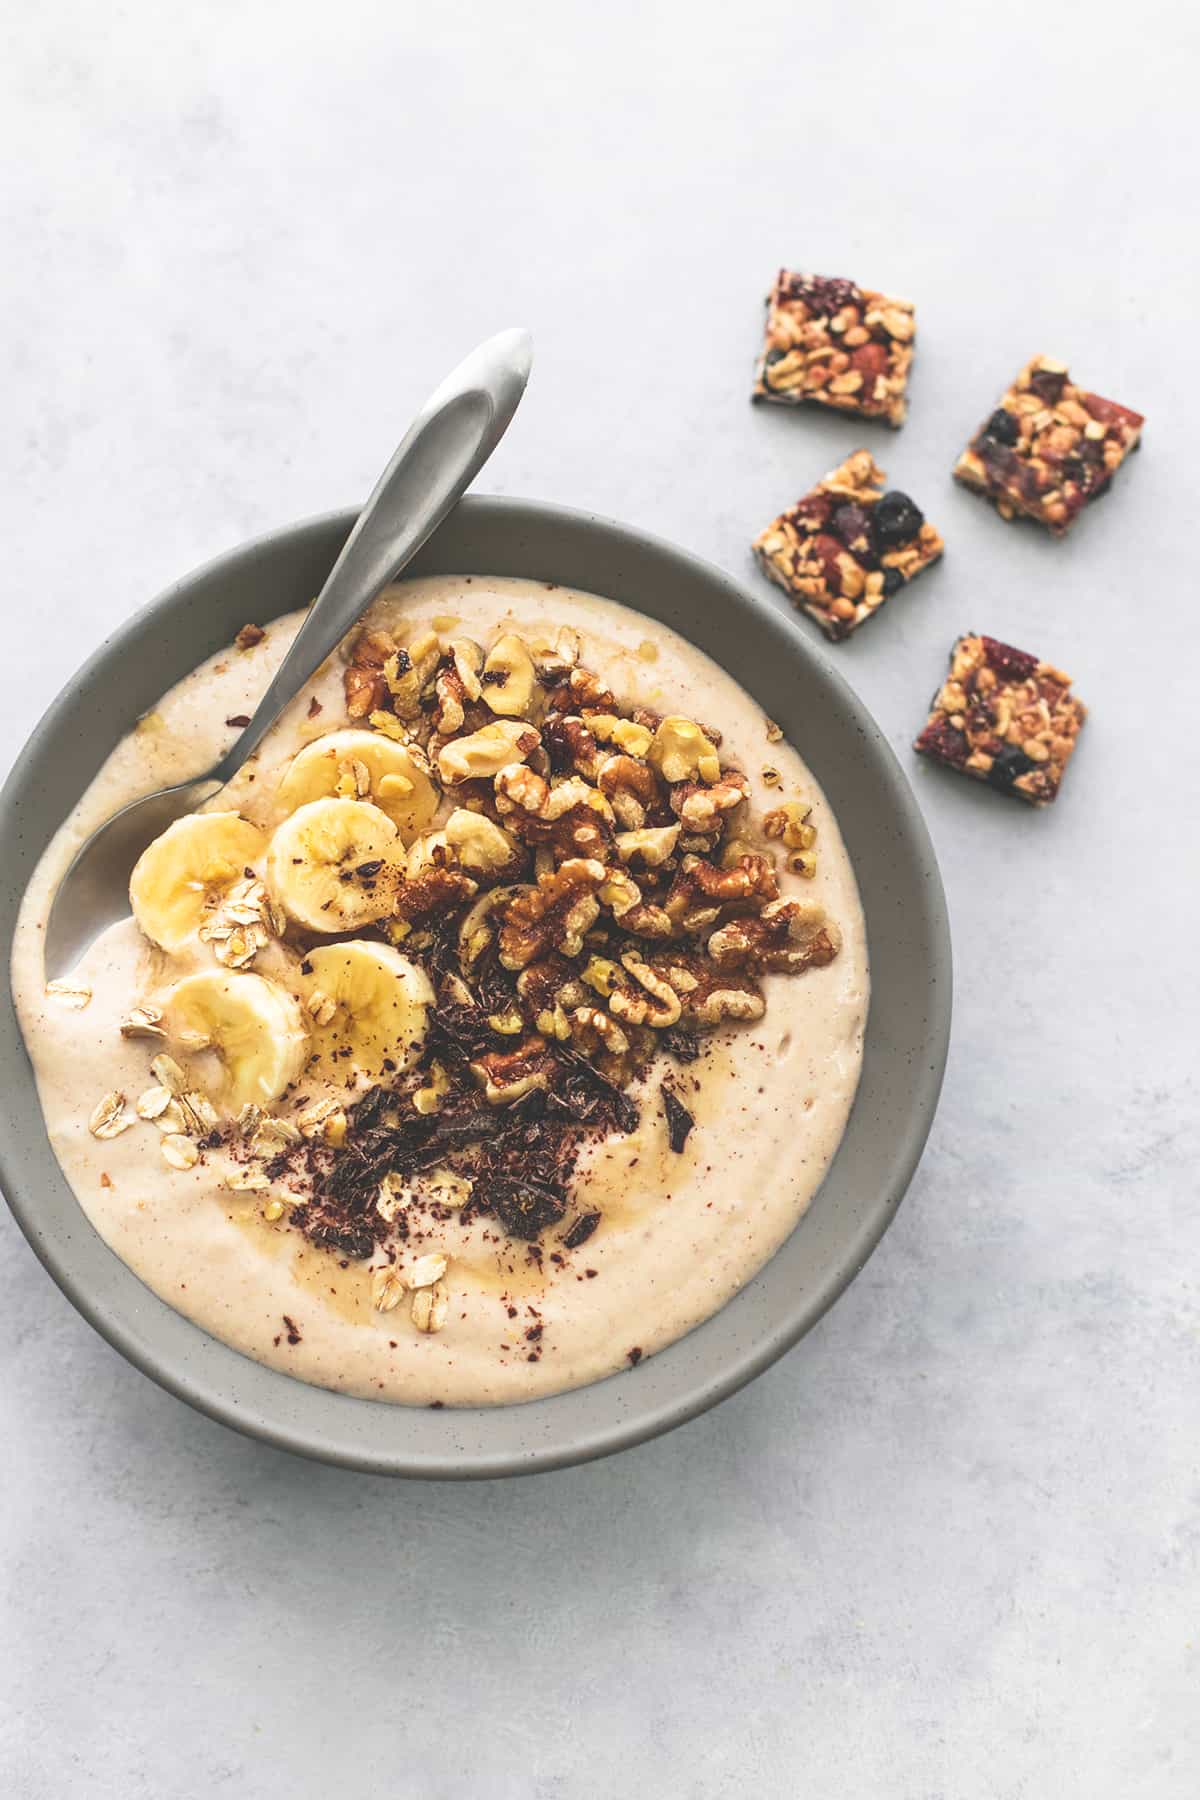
(1005, 718)
(1049, 448)
(846, 547)
(836, 344)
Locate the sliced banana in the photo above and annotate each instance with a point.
(254, 1026)
(381, 1005)
(186, 871)
(363, 765)
(334, 865)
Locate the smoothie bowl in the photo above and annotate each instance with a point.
(524, 1050)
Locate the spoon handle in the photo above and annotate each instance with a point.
(442, 452)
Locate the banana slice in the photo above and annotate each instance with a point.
(335, 864)
(381, 1005)
(255, 1027)
(185, 872)
(363, 765)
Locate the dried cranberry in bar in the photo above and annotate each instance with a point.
(842, 550)
(836, 344)
(1049, 448)
(1005, 718)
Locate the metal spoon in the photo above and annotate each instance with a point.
(445, 447)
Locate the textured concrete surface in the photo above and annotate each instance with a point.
(948, 1548)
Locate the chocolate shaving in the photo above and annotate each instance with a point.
(625, 1113)
(581, 1230)
(684, 1046)
(461, 1033)
(525, 1208)
(679, 1119)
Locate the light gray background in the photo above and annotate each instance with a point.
(948, 1548)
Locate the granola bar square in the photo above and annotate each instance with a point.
(1049, 448)
(1005, 718)
(833, 343)
(846, 547)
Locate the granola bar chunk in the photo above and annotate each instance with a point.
(1049, 448)
(845, 548)
(1005, 718)
(836, 344)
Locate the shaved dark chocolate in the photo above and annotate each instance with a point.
(581, 1230)
(679, 1119)
(524, 1208)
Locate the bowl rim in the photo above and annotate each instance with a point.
(124, 1325)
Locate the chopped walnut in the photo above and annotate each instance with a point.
(657, 1005)
(681, 752)
(631, 788)
(569, 745)
(363, 680)
(699, 885)
(651, 844)
(787, 936)
(508, 1075)
(487, 751)
(554, 915)
(509, 680)
(701, 808)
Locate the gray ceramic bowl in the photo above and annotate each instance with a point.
(907, 1031)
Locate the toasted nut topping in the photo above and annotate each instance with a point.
(659, 1005)
(509, 678)
(109, 1118)
(790, 823)
(179, 1152)
(389, 726)
(588, 1022)
(409, 671)
(468, 661)
(626, 734)
(619, 892)
(273, 1210)
(430, 1306)
(681, 752)
(651, 845)
(484, 753)
(553, 661)
(480, 845)
(602, 975)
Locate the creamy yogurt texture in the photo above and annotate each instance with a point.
(680, 1234)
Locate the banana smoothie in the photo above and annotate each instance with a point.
(489, 1031)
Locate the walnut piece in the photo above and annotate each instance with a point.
(786, 936)
(554, 915)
